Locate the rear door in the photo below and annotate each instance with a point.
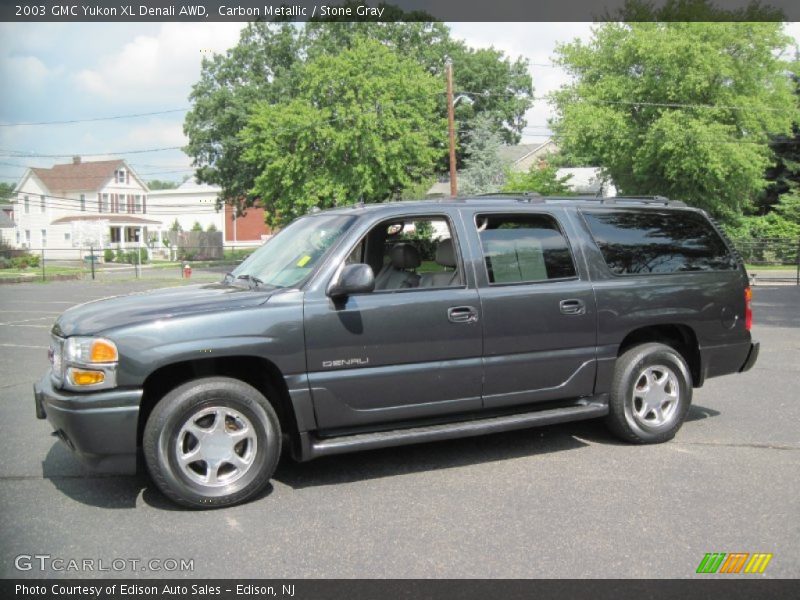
(395, 354)
(539, 313)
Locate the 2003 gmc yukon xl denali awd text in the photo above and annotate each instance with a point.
(387, 324)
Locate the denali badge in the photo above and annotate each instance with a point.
(345, 362)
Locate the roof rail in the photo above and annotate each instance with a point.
(518, 196)
(639, 199)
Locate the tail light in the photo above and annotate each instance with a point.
(748, 308)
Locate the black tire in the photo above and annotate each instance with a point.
(229, 408)
(633, 410)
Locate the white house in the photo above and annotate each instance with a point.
(68, 208)
(74, 205)
(521, 157)
(194, 202)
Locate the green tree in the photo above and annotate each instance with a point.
(157, 184)
(542, 179)
(267, 65)
(197, 226)
(363, 126)
(483, 168)
(176, 226)
(211, 227)
(257, 69)
(6, 191)
(678, 109)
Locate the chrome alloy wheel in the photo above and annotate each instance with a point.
(216, 446)
(655, 397)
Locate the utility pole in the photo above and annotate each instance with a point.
(451, 118)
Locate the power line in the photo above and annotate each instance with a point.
(629, 102)
(23, 154)
(94, 119)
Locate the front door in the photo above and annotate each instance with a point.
(409, 350)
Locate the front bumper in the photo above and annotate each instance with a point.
(99, 427)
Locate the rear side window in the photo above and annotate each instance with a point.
(635, 242)
(524, 248)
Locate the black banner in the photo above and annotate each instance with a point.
(379, 10)
(734, 588)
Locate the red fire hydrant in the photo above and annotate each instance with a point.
(187, 271)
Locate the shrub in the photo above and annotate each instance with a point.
(5, 263)
(108, 255)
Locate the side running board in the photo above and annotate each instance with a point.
(313, 447)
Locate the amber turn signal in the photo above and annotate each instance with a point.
(103, 352)
(86, 377)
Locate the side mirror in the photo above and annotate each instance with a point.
(356, 278)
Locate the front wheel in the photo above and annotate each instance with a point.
(650, 394)
(212, 442)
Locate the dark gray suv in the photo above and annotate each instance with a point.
(388, 324)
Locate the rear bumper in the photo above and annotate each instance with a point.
(99, 427)
(752, 357)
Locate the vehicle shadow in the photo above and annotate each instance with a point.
(388, 462)
(123, 492)
(105, 491)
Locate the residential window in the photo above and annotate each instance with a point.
(115, 235)
(41, 203)
(120, 176)
(524, 248)
(44, 238)
(103, 202)
(83, 202)
(137, 203)
(27, 205)
(28, 237)
(67, 237)
(19, 237)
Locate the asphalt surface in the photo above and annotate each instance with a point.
(561, 501)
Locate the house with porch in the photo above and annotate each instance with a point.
(80, 204)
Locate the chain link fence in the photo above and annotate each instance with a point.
(185, 264)
(771, 259)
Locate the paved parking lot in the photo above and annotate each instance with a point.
(561, 501)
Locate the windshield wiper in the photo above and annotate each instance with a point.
(253, 280)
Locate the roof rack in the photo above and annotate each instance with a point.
(518, 196)
(657, 200)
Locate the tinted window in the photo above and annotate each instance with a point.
(524, 248)
(651, 241)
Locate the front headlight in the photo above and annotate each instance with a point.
(88, 351)
(90, 363)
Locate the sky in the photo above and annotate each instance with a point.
(63, 71)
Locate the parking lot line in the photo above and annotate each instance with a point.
(23, 346)
(20, 321)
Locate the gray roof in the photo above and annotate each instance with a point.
(516, 153)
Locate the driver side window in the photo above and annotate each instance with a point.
(410, 253)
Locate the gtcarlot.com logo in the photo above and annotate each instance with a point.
(47, 562)
(731, 563)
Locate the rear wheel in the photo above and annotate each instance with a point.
(650, 394)
(212, 442)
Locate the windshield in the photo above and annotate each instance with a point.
(292, 254)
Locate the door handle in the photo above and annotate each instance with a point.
(572, 307)
(462, 314)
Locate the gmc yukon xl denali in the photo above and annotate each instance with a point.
(379, 325)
